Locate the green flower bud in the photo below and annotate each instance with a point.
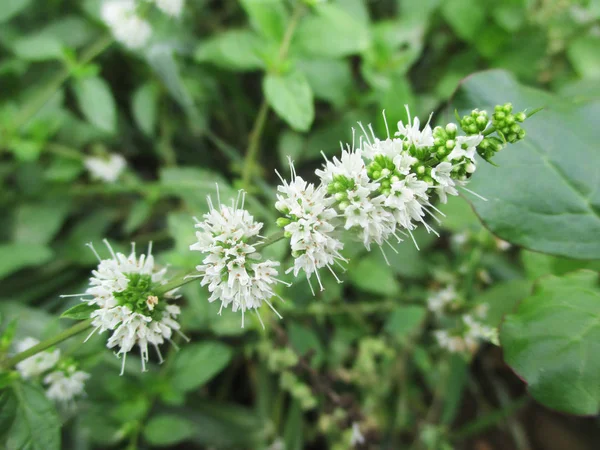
(282, 222)
(520, 117)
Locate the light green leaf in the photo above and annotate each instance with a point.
(11, 8)
(405, 320)
(97, 103)
(553, 340)
(239, 50)
(168, 429)
(291, 98)
(466, 17)
(305, 340)
(539, 264)
(80, 311)
(545, 194)
(501, 299)
(72, 31)
(332, 33)
(585, 56)
(38, 223)
(36, 425)
(38, 48)
(372, 275)
(196, 364)
(144, 105)
(268, 17)
(17, 256)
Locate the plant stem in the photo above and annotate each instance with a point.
(261, 118)
(277, 236)
(40, 100)
(66, 334)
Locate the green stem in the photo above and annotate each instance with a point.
(44, 345)
(261, 118)
(277, 236)
(40, 100)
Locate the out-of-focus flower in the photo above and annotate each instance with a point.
(107, 170)
(37, 364)
(126, 26)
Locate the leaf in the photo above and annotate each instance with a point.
(372, 275)
(405, 320)
(553, 339)
(585, 57)
(168, 429)
(233, 49)
(36, 424)
(17, 256)
(329, 79)
(545, 194)
(80, 311)
(11, 8)
(144, 105)
(96, 102)
(305, 340)
(291, 97)
(331, 33)
(501, 299)
(196, 364)
(38, 48)
(38, 223)
(268, 17)
(466, 17)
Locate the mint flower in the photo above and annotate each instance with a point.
(66, 384)
(37, 364)
(105, 169)
(126, 26)
(170, 7)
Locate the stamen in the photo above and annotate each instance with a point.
(386, 124)
(90, 245)
(110, 249)
(475, 194)
(259, 318)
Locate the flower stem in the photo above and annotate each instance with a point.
(54, 85)
(277, 236)
(66, 334)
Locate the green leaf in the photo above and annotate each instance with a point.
(405, 320)
(17, 256)
(168, 429)
(331, 33)
(38, 48)
(268, 17)
(81, 311)
(538, 264)
(545, 193)
(38, 223)
(370, 274)
(585, 57)
(144, 105)
(553, 340)
(329, 79)
(196, 364)
(305, 340)
(291, 97)
(239, 50)
(11, 8)
(36, 425)
(466, 17)
(502, 298)
(96, 102)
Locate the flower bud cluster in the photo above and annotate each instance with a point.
(63, 380)
(507, 123)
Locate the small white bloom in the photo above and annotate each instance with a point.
(127, 27)
(123, 289)
(466, 147)
(37, 364)
(357, 437)
(438, 301)
(476, 331)
(310, 226)
(170, 7)
(107, 170)
(453, 343)
(65, 385)
(231, 268)
(413, 135)
(406, 200)
(442, 174)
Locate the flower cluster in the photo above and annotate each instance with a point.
(64, 381)
(125, 19)
(105, 169)
(126, 294)
(232, 269)
(467, 337)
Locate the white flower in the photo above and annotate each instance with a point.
(170, 7)
(438, 301)
(65, 385)
(309, 226)
(476, 331)
(37, 364)
(454, 343)
(442, 173)
(231, 268)
(357, 437)
(350, 165)
(412, 135)
(406, 200)
(466, 147)
(127, 27)
(123, 287)
(107, 170)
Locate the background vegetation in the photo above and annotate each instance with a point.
(224, 95)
